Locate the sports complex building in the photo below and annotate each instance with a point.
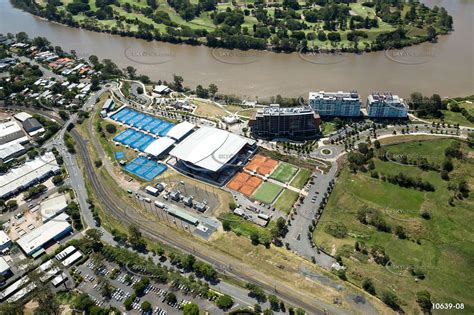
(212, 155)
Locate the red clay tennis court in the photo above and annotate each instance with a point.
(261, 164)
(244, 183)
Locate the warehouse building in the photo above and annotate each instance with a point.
(30, 173)
(34, 242)
(32, 126)
(4, 267)
(52, 206)
(212, 155)
(10, 131)
(5, 241)
(285, 122)
(11, 151)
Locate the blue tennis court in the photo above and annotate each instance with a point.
(144, 168)
(119, 155)
(134, 139)
(143, 121)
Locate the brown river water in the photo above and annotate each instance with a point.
(446, 68)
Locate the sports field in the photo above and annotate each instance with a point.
(301, 178)
(284, 172)
(261, 164)
(267, 192)
(286, 200)
(244, 183)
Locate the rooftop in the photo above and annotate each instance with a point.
(28, 172)
(52, 206)
(41, 235)
(210, 148)
(322, 95)
(4, 267)
(4, 239)
(180, 130)
(276, 110)
(22, 116)
(159, 146)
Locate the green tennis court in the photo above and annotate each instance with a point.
(284, 172)
(267, 192)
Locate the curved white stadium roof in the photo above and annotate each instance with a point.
(180, 130)
(159, 146)
(209, 148)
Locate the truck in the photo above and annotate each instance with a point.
(160, 205)
(152, 190)
(263, 216)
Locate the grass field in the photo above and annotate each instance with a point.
(284, 172)
(244, 227)
(441, 247)
(431, 150)
(301, 178)
(286, 200)
(456, 118)
(267, 192)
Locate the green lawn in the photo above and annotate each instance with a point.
(301, 178)
(267, 192)
(431, 150)
(442, 247)
(286, 200)
(456, 118)
(244, 227)
(284, 172)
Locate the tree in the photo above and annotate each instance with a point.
(178, 83)
(224, 302)
(128, 303)
(190, 309)
(274, 302)
(212, 89)
(390, 299)
(94, 236)
(135, 237)
(171, 298)
(47, 302)
(139, 90)
(255, 238)
(131, 72)
(368, 286)
(111, 128)
(423, 298)
(146, 306)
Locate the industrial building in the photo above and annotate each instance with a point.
(4, 267)
(386, 105)
(11, 151)
(10, 131)
(5, 241)
(285, 122)
(52, 206)
(30, 173)
(32, 243)
(31, 125)
(212, 154)
(335, 104)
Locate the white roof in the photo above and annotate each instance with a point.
(180, 130)
(24, 291)
(59, 279)
(11, 130)
(71, 259)
(13, 287)
(4, 238)
(4, 267)
(209, 148)
(22, 116)
(41, 235)
(9, 149)
(27, 173)
(50, 207)
(158, 146)
(65, 252)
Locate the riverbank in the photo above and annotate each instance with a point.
(265, 74)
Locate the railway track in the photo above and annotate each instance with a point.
(129, 216)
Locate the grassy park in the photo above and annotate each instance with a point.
(438, 248)
(267, 192)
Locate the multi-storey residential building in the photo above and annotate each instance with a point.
(280, 122)
(333, 104)
(386, 105)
